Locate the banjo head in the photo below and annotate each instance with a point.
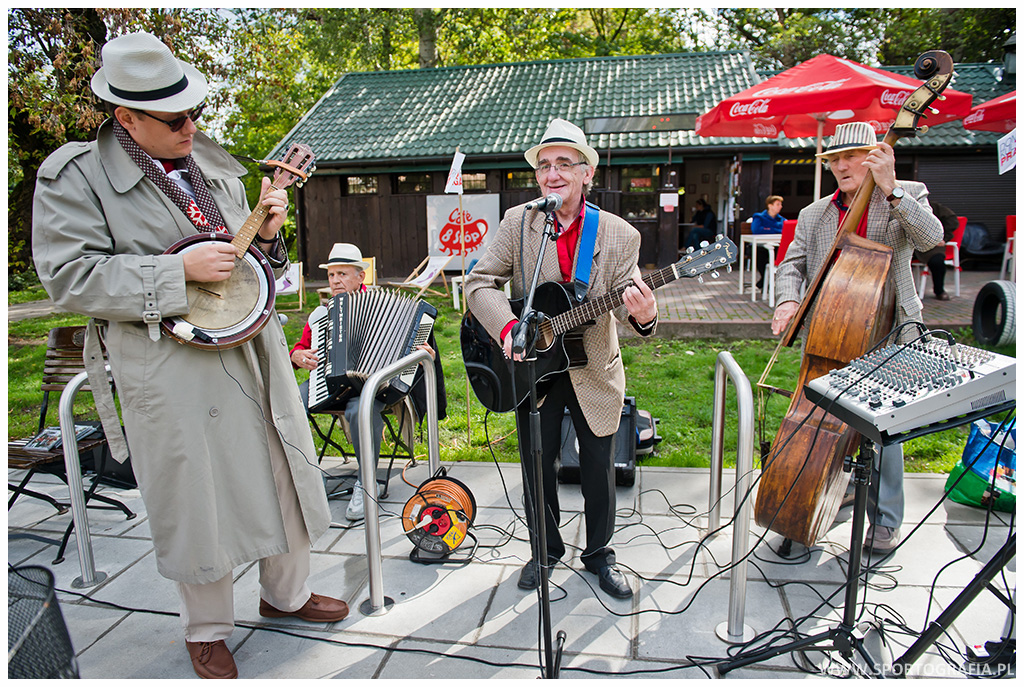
(226, 313)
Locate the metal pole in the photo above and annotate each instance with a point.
(378, 604)
(734, 631)
(73, 468)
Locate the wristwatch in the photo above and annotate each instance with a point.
(896, 194)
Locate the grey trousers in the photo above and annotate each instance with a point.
(885, 493)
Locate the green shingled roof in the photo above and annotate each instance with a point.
(421, 115)
(502, 109)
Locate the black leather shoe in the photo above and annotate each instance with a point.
(529, 576)
(613, 582)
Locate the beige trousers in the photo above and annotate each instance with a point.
(207, 610)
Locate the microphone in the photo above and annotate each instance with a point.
(548, 203)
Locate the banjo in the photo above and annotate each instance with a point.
(225, 314)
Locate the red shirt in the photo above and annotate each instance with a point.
(862, 227)
(566, 244)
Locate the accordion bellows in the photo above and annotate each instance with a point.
(359, 334)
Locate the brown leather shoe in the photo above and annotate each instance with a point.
(212, 660)
(319, 609)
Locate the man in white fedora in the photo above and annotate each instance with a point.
(345, 271)
(597, 252)
(898, 216)
(222, 484)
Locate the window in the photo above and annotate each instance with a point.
(639, 200)
(474, 182)
(520, 180)
(364, 185)
(413, 183)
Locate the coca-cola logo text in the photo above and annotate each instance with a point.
(751, 109)
(766, 130)
(809, 88)
(894, 99)
(975, 117)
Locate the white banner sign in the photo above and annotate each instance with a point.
(481, 215)
(1008, 152)
(454, 184)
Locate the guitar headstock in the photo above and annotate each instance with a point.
(710, 258)
(295, 167)
(935, 68)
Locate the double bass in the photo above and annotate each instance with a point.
(803, 480)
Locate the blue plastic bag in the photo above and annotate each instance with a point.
(990, 463)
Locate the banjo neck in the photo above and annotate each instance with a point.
(245, 236)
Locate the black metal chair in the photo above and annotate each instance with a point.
(63, 362)
(402, 437)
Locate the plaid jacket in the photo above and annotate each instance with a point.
(601, 385)
(906, 228)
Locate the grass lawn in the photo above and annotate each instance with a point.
(674, 380)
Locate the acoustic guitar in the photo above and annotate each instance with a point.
(225, 314)
(501, 386)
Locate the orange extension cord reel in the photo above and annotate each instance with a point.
(437, 519)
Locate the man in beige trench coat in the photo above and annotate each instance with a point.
(222, 486)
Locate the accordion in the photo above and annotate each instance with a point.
(360, 334)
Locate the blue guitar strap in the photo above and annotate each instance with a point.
(585, 253)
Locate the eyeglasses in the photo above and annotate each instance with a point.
(561, 167)
(178, 122)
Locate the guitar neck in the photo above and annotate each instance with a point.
(590, 310)
(245, 236)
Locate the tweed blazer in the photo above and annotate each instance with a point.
(600, 385)
(908, 227)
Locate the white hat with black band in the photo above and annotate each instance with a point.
(345, 254)
(139, 71)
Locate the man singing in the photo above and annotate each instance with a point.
(565, 165)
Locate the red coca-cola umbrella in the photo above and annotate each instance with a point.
(812, 98)
(998, 114)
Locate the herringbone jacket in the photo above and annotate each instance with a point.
(601, 385)
(905, 228)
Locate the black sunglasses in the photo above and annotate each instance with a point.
(194, 114)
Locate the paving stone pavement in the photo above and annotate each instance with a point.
(470, 621)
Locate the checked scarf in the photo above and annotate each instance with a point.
(202, 211)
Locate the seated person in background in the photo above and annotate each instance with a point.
(766, 222)
(936, 257)
(345, 268)
(706, 225)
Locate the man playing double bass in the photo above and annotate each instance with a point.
(898, 216)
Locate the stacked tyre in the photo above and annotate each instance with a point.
(995, 314)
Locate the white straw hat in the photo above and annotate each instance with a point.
(850, 136)
(345, 254)
(139, 71)
(563, 133)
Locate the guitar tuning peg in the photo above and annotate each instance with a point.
(923, 129)
(704, 244)
(689, 249)
(714, 274)
(700, 278)
(729, 269)
(941, 97)
(933, 110)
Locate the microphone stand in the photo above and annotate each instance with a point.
(524, 344)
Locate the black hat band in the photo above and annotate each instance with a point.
(156, 94)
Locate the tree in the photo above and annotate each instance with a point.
(782, 38)
(52, 55)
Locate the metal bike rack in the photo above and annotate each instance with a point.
(378, 604)
(73, 468)
(734, 631)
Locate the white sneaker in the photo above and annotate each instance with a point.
(355, 504)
